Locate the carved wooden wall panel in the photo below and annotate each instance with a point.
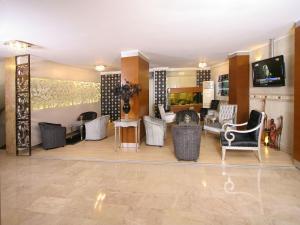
(23, 118)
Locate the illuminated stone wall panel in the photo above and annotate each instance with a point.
(50, 93)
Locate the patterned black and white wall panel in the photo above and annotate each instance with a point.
(223, 85)
(202, 75)
(159, 90)
(110, 103)
(23, 114)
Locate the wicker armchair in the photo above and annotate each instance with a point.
(155, 131)
(180, 116)
(97, 128)
(186, 140)
(53, 135)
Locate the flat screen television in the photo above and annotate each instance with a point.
(269, 72)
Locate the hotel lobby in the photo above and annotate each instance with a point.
(161, 112)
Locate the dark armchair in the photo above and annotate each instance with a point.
(248, 139)
(53, 135)
(87, 116)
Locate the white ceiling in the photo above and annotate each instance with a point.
(173, 33)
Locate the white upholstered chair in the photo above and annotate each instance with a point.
(168, 117)
(155, 131)
(226, 114)
(97, 128)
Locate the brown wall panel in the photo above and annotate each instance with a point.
(239, 85)
(297, 96)
(10, 104)
(135, 69)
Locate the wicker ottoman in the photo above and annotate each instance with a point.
(186, 140)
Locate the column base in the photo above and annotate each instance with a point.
(297, 164)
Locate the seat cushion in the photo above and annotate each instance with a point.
(213, 127)
(241, 140)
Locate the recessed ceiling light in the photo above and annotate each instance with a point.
(202, 65)
(100, 68)
(18, 45)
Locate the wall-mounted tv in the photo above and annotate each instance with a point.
(269, 72)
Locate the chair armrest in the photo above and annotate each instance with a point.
(225, 125)
(157, 123)
(231, 132)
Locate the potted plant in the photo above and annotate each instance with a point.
(126, 91)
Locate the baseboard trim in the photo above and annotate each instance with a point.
(297, 164)
(129, 145)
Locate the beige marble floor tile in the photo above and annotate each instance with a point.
(94, 192)
(48, 205)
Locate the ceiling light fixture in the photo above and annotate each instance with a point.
(99, 68)
(202, 65)
(18, 45)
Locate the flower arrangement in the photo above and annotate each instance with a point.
(126, 91)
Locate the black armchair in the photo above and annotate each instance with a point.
(213, 108)
(53, 135)
(248, 139)
(87, 116)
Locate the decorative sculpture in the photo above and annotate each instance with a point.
(273, 133)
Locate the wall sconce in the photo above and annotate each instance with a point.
(258, 58)
(99, 68)
(202, 65)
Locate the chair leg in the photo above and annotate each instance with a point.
(223, 153)
(259, 155)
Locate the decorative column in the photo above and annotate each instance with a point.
(202, 75)
(17, 105)
(297, 96)
(110, 103)
(160, 90)
(10, 104)
(239, 84)
(135, 68)
(23, 106)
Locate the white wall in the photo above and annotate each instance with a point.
(2, 117)
(67, 115)
(184, 78)
(216, 71)
(275, 108)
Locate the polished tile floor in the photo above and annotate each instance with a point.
(210, 153)
(70, 192)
